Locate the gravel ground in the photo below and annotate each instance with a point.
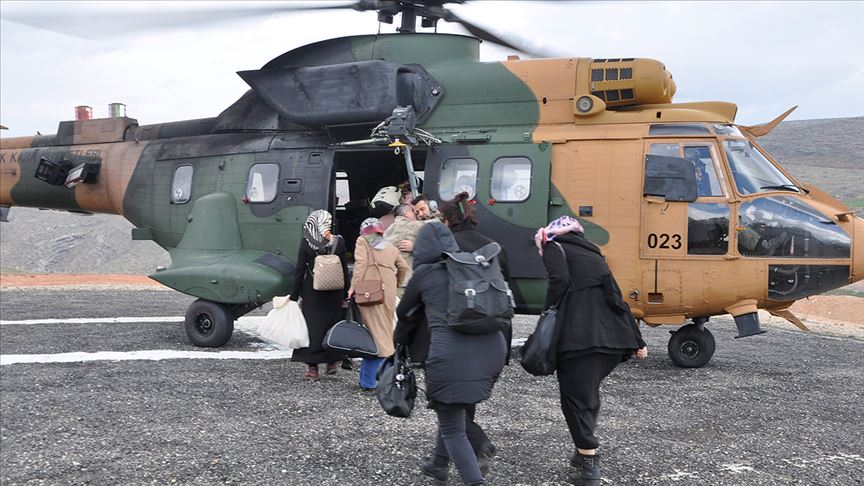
(776, 409)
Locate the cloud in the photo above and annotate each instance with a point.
(764, 56)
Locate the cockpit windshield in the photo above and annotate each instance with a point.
(753, 172)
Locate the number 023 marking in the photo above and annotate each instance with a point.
(664, 241)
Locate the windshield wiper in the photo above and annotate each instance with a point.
(787, 187)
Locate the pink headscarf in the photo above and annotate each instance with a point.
(372, 230)
(560, 226)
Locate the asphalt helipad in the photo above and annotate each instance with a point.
(87, 398)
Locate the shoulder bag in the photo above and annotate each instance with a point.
(327, 271)
(541, 347)
(370, 292)
(351, 336)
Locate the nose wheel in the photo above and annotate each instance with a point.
(209, 324)
(691, 346)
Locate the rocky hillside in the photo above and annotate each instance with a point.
(36, 241)
(827, 153)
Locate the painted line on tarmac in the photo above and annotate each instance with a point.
(245, 323)
(103, 320)
(145, 355)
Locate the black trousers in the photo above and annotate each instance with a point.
(579, 381)
(476, 435)
(452, 441)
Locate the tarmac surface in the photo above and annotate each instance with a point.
(777, 409)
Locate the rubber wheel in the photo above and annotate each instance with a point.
(691, 348)
(209, 324)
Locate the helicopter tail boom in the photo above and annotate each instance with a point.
(81, 178)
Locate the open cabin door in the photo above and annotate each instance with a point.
(510, 185)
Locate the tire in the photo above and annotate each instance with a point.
(691, 348)
(209, 324)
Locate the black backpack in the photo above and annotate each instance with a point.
(479, 300)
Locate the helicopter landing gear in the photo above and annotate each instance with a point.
(209, 324)
(691, 346)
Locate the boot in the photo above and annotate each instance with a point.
(484, 458)
(586, 470)
(437, 468)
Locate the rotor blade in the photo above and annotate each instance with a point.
(106, 20)
(485, 35)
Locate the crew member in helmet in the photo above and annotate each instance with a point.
(383, 204)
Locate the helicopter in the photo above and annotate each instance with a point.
(694, 217)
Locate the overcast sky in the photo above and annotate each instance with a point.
(764, 56)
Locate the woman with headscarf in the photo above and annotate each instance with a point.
(321, 308)
(596, 332)
(375, 258)
(461, 369)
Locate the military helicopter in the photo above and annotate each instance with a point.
(695, 218)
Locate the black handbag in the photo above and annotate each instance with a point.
(541, 347)
(351, 336)
(538, 353)
(397, 384)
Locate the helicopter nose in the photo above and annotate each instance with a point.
(858, 250)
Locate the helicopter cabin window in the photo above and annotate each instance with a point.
(707, 229)
(181, 186)
(753, 172)
(458, 175)
(511, 179)
(263, 183)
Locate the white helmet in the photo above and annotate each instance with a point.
(389, 195)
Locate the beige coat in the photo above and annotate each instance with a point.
(392, 269)
(403, 229)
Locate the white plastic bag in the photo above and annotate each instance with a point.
(285, 324)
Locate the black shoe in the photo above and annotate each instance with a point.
(347, 364)
(586, 470)
(437, 468)
(484, 458)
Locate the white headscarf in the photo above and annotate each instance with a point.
(317, 224)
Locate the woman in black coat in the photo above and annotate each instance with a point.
(461, 217)
(461, 369)
(596, 332)
(321, 308)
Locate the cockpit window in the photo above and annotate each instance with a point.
(707, 229)
(708, 184)
(729, 130)
(678, 129)
(664, 149)
(783, 226)
(754, 173)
